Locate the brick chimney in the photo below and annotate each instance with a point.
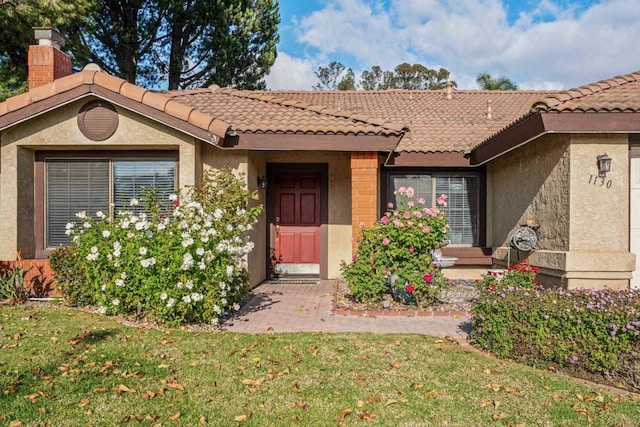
(46, 61)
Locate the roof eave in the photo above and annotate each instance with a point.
(543, 122)
(314, 142)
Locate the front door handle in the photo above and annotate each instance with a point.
(277, 227)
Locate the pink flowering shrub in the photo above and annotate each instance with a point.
(589, 333)
(399, 244)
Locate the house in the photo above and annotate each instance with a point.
(326, 163)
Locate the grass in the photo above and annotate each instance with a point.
(64, 367)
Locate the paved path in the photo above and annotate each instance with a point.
(307, 308)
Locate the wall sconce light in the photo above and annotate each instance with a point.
(262, 182)
(604, 164)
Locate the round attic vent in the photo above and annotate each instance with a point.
(97, 120)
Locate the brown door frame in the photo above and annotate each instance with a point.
(323, 169)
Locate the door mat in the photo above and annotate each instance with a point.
(295, 281)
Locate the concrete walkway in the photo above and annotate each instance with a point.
(308, 308)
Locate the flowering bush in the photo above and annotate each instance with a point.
(183, 264)
(399, 244)
(521, 275)
(591, 333)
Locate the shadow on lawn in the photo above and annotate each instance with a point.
(257, 301)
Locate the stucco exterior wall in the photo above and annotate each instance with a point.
(58, 130)
(583, 229)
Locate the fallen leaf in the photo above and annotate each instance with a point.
(395, 365)
(360, 404)
(366, 415)
(83, 402)
(175, 416)
(390, 402)
(499, 416)
(15, 424)
(203, 420)
(175, 386)
(294, 387)
(345, 412)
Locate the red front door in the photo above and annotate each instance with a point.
(296, 221)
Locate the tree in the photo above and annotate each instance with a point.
(16, 37)
(404, 76)
(487, 82)
(188, 43)
(335, 76)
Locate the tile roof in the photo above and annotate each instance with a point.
(435, 123)
(269, 112)
(92, 79)
(618, 94)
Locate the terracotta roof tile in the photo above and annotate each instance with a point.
(620, 93)
(109, 82)
(132, 91)
(274, 112)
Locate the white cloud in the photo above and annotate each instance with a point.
(550, 46)
(291, 73)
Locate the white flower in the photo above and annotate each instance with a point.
(115, 301)
(187, 242)
(86, 225)
(173, 197)
(161, 226)
(179, 285)
(223, 301)
(202, 265)
(163, 296)
(101, 310)
(82, 215)
(230, 270)
(120, 282)
(215, 321)
(117, 246)
(171, 302)
(187, 261)
(148, 234)
(124, 225)
(217, 214)
(189, 285)
(147, 262)
(142, 251)
(222, 285)
(106, 234)
(134, 202)
(103, 288)
(140, 225)
(100, 214)
(197, 297)
(69, 226)
(217, 309)
(186, 298)
(134, 219)
(229, 227)
(236, 306)
(200, 251)
(123, 275)
(130, 235)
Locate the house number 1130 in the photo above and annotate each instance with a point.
(599, 181)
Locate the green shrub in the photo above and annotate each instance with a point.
(66, 266)
(12, 285)
(522, 275)
(180, 264)
(400, 244)
(593, 333)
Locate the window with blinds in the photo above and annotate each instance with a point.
(462, 203)
(90, 185)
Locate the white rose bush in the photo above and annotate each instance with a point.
(181, 261)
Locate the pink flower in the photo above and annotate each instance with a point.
(411, 249)
(176, 203)
(409, 223)
(422, 201)
(410, 192)
(442, 200)
(385, 241)
(417, 214)
(406, 215)
(428, 277)
(390, 205)
(397, 222)
(384, 220)
(426, 229)
(409, 289)
(410, 204)
(402, 190)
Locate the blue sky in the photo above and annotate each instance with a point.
(542, 44)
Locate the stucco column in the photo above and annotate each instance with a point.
(364, 191)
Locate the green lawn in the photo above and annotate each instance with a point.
(70, 368)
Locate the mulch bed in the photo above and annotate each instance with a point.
(453, 302)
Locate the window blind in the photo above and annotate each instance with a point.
(72, 187)
(132, 177)
(421, 184)
(462, 207)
